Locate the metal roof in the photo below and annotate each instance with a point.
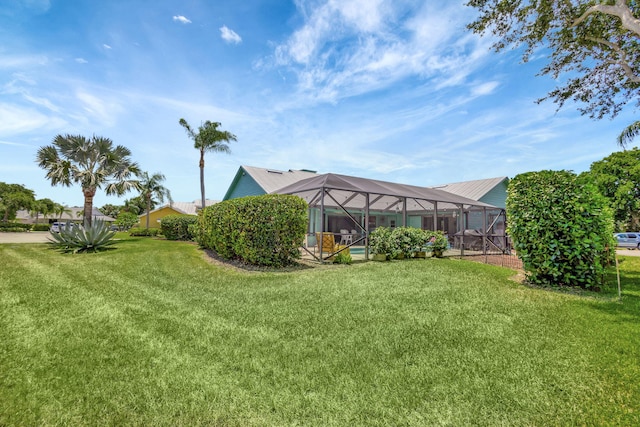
(352, 192)
(272, 179)
(475, 189)
(186, 208)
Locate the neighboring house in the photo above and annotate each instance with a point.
(252, 181)
(75, 214)
(175, 208)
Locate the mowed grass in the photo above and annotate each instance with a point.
(151, 333)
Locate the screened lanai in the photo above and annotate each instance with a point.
(350, 208)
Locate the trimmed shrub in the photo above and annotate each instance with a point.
(561, 229)
(144, 232)
(14, 226)
(177, 227)
(41, 227)
(265, 230)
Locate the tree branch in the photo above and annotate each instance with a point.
(623, 63)
(620, 9)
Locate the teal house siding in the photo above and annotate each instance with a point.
(497, 196)
(243, 185)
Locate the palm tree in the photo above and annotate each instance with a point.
(59, 210)
(91, 162)
(150, 187)
(629, 134)
(208, 138)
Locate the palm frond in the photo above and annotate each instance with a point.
(629, 134)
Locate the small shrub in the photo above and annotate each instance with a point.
(177, 227)
(436, 242)
(381, 243)
(144, 232)
(342, 258)
(40, 227)
(90, 238)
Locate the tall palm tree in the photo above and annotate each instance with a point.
(150, 187)
(91, 162)
(208, 138)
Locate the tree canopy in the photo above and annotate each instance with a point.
(14, 197)
(91, 162)
(595, 43)
(617, 177)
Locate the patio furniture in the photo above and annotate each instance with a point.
(328, 242)
(345, 237)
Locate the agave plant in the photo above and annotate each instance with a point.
(93, 237)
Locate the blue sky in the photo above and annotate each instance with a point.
(396, 90)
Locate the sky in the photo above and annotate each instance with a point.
(395, 90)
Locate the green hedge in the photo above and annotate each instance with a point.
(178, 227)
(41, 227)
(144, 232)
(14, 226)
(263, 230)
(562, 229)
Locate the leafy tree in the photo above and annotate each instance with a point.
(91, 162)
(136, 205)
(14, 197)
(561, 227)
(208, 138)
(126, 220)
(617, 177)
(111, 210)
(151, 187)
(595, 43)
(42, 206)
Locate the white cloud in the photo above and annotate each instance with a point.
(16, 120)
(347, 48)
(106, 46)
(182, 19)
(103, 109)
(81, 61)
(484, 88)
(229, 35)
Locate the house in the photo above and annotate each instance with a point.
(73, 213)
(175, 208)
(252, 181)
(492, 190)
(459, 209)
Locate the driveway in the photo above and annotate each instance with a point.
(29, 237)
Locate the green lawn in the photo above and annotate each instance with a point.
(150, 333)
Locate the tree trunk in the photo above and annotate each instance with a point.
(202, 178)
(88, 204)
(148, 197)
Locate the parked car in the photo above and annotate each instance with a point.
(57, 226)
(628, 240)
